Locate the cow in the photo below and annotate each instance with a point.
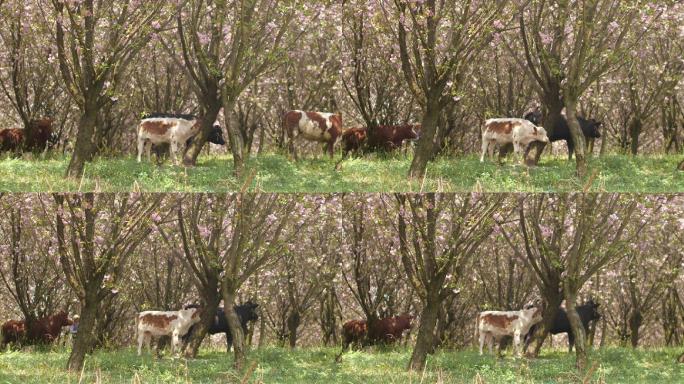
(494, 325)
(561, 131)
(313, 126)
(154, 324)
(352, 139)
(391, 137)
(42, 331)
(354, 333)
(38, 135)
(503, 131)
(11, 140)
(390, 329)
(246, 312)
(587, 312)
(160, 128)
(215, 137)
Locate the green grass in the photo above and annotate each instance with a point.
(316, 365)
(275, 173)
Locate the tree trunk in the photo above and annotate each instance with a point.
(207, 119)
(425, 149)
(426, 331)
(293, 321)
(635, 321)
(577, 330)
(201, 329)
(635, 127)
(85, 148)
(577, 138)
(85, 337)
(235, 329)
(234, 137)
(553, 300)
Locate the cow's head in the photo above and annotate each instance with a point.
(591, 129)
(216, 135)
(62, 319)
(250, 310)
(534, 310)
(533, 116)
(539, 134)
(592, 307)
(416, 130)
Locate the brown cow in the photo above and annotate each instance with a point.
(38, 135)
(353, 333)
(313, 126)
(389, 330)
(352, 139)
(43, 331)
(391, 137)
(11, 140)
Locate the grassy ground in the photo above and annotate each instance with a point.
(275, 173)
(276, 365)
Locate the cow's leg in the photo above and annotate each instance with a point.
(482, 341)
(571, 149)
(228, 342)
(485, 144)
(571, 341)
(174, 152)
(490, 343)
(516, 343)
(331, 146)
(148, 150)
(141, 148)
(175, 340)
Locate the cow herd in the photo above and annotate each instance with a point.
(172, 134)
(180, 325)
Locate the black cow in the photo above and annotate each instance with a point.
(215, 137)
(590, 129)
(246, 312)
(561, 324)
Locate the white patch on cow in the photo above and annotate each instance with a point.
(311, 130)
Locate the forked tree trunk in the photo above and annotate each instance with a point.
(425, 149)
(85, 337)
(577, 330)
(426, 332)
(85, 148)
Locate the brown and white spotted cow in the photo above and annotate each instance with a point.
(504, 131)
(493, 325)
(163, 128)
(149, 324)
(313, 126)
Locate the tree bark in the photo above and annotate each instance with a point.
(293, 321)
(236, 142)
(229, 299)
(425, 339)
(85, 148)
(635, 321)
(425, 149)
(577, 138)
(208, 118)
(553, 299)
(577, 330)
(85, 338)
(635, 127)
(201, 329)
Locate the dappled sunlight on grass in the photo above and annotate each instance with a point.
(277, 173)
